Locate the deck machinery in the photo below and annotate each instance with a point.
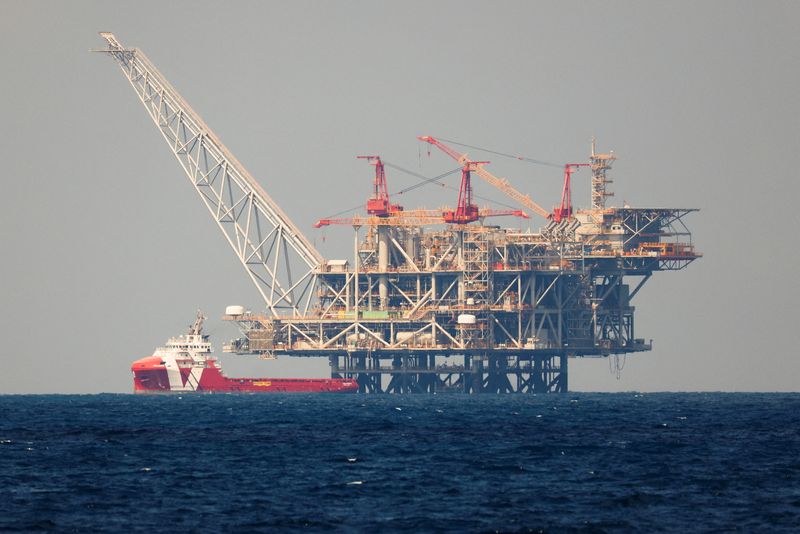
(415, 308)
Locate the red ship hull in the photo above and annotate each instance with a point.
(155, 375)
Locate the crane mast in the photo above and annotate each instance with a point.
(378, 204)
(565, 210)
(268, 244)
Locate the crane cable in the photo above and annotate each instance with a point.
(429, 180)
(512, 156)
(425, 179)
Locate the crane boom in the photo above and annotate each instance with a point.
(414, 218)
(268, 244)
(394, 220)
(500, 183)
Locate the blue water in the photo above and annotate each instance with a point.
(558, 463)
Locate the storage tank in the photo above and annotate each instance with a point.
(234, 310)
(466, 318)
(361, 336)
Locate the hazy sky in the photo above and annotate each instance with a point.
(107, 251)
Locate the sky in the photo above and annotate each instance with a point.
(107, 250)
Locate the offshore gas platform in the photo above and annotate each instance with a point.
(428, 300)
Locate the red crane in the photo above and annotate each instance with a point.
(565, 210)
(379, 204)
(465, 211)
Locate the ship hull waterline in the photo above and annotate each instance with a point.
(155, 375)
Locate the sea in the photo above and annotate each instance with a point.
(577, 462)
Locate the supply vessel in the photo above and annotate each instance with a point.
(185, 364)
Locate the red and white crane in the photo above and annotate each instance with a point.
(465, 211)
(565, 210)
(500, 183)
(378, 204)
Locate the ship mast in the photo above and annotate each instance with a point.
(197, 328)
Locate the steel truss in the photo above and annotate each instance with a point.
(265, 240)
(433, 373)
